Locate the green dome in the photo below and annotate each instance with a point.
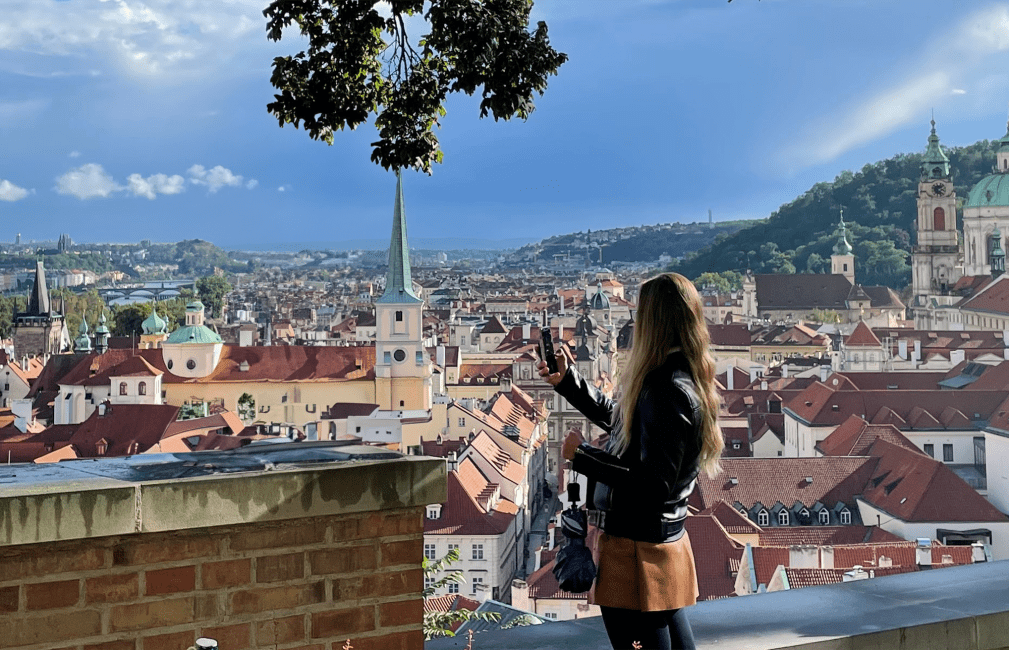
(992, 190)
(194, 334)
(154, 324)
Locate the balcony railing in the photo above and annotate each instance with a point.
(965, 607)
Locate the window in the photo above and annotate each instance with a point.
(420, 358)
(387, 357)
(939, 219)
(462, 422)
(428, 582)
(783, 518)
(399, 355)
(453, 547)
(142, 388)
(477, 580)
(930, 449)
(477, 552)
(122, 388)
(191, 364)
(551, 615)
(399, 317)
(453, 588)
(429, 551)
(762, 518)
(824, 517)
(947, 453)
(845, 516)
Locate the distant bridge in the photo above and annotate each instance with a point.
(147, 293)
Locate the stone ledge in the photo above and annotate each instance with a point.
(956, 608)
(85, 499)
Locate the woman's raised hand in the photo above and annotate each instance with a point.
(562, 368)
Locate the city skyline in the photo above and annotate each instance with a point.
(126, 121)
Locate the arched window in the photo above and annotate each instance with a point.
(142, 388)
(824, 517)
(122, 388)
(762, 518)
(783, 518)
(939, 219)
(845, 516)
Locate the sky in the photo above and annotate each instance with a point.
(123, 120)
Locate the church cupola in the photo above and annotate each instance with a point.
(842, 262)
(935, 165)
(102, 335)
(82, 344)
(1002, 153)
(997, 254)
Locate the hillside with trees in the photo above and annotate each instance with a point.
(880, 210)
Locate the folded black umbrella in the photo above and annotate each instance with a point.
(574, 569)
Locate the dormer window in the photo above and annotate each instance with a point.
(101, 447)
(763, 519)
(783, 518)
(434, 511)
(845, 516)
(824, 517)
(122, 388)
(142, 388)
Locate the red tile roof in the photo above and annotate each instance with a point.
(993, 299)
(121, 426)
(798, 578)
(824, 535)
(734, 522)
(915, 488)
(734, 335)
(716, 556)
(862, 336)
(855, 436)
(461, 515)
(771, 480)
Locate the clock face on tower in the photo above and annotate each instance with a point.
(938, 189)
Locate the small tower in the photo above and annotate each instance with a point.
(936, 257)
(842, 262)
(101, 335)
(997, 254)
(38, 331)
(154, 331)
(82, 344)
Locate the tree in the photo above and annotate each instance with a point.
(359, 63)
(212, 290)
(441, 623)
(127, 320)
(247, 407)
(723, 282)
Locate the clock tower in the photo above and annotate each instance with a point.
(937, 258)
(402, 367)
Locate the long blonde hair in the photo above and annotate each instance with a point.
(670, 316)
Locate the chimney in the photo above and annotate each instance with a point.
(923, 552)
(730, 378)
(1005, 338)
(763, 385)
(439, 357)
(826, 557)
(977, 553)
(902, 349)
(824, 371)
(453, 461)
(560, 335)
(784, 371)
(803, 556)
(884, 562)
(957, 356)
(753, 375)
(527, 331)
(917, 351)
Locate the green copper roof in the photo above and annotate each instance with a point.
(398, 283)
(101, 329)
(83, 342)
(842, 247)
(1003, 142)
(194, 334)
(154, 324)
(992, 190)
(196, 305)
(936, 162)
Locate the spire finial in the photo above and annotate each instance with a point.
(842, 216)
(933, 121)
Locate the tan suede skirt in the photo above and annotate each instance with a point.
(644, 576)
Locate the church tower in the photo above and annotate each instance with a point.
(842, 262)
(937, 256)
(402, 367)
(39, 330)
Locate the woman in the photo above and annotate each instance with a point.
(663, 430)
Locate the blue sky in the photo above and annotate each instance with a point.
(123, 120)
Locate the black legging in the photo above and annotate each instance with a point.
(666, 630)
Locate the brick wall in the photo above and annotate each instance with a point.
(309, 583)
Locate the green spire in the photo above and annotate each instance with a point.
(398, 283)
(83, 342)
(936, 162)
(842, 247)
(997, 254)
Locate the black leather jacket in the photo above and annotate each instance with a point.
(643, 492)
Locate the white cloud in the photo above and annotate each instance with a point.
(283, 188)
(963, 55)
(74, 154)
(153, 37)
(156, 184)
(252, 184)
(215, 178)
(11, 192)
(88, 181)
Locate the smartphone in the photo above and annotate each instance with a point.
(547, 349)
